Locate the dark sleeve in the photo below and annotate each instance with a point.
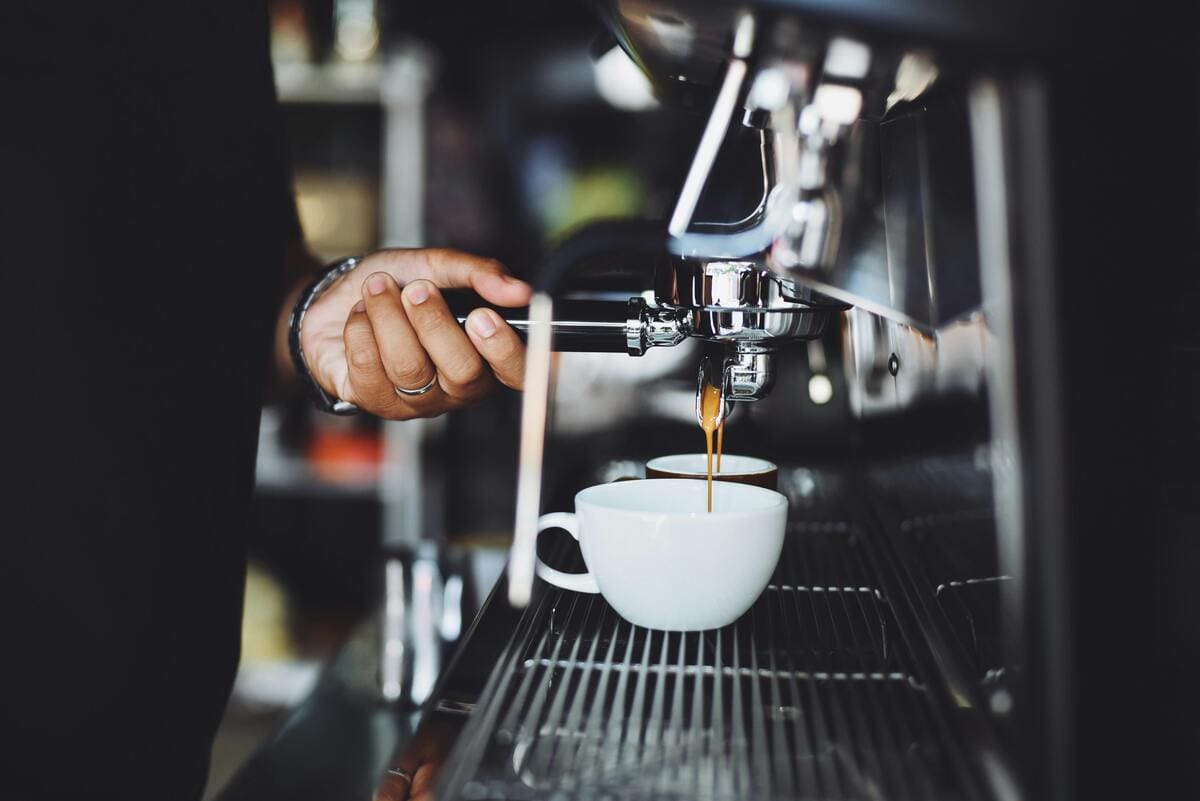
(289, 214)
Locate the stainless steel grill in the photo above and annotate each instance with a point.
(815, 693)
(940, 511)
(957, 558)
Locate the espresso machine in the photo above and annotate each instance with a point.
(916, 640)
(897, 205)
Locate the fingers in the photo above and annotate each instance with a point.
(367, 384)
(404, 359)
(394, 788)
(454, 269)
(461, 372)
(499, 345)
(419, 787)
(425, 781)
(419, 764)
(410, 338)
(366, 336)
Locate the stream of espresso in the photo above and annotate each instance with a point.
(720, 442)
(711, 420)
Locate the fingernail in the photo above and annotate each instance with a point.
(377, 284)
(483, 325)
(510, 279)
(360, 307)
(416, 293)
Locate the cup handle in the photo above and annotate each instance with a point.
(576, 582)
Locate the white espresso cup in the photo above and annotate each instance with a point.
(661, 560)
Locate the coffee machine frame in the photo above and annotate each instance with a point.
(940, 257)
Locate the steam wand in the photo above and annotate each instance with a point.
(596, 240)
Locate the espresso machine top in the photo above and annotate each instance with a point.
(865, 212)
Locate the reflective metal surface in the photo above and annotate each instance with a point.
(717, 284)
(718, 122)
(856, 211)
(749, 373)
(735, 326)
(890, 184)
(823, 689)
(682, 44)
(891, 366)
(740, 301)
(869, 196)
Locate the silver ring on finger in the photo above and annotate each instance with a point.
(412, 393)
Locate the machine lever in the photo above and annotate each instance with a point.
(580, 325)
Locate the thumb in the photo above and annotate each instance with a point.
(453, 269)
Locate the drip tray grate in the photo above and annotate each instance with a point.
(811, 694)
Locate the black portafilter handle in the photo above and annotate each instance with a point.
(579, 326)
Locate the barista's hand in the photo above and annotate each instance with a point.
(385, 325)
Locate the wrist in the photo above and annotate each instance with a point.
(325, 280)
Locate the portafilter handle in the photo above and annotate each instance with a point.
(587, 325)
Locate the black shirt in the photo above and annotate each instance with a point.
(145, 210)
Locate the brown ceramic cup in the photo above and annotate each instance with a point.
(739, 469)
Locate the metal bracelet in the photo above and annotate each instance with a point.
(319, 286)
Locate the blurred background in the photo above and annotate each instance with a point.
(499, 129)
(492, 128)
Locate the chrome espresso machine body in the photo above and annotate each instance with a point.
(869, 215)
(915, 641)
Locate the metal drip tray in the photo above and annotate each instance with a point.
(814, 693)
